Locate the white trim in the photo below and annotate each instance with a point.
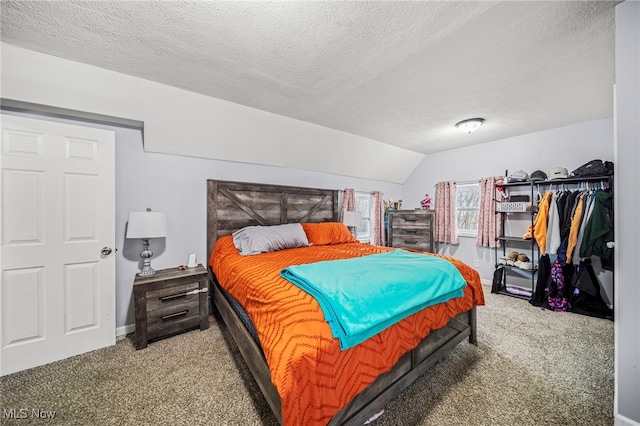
(121, 332)
(620, 420)
(53, 111)
(486, 282)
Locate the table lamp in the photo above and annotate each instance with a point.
(147, 225)
(352, 220)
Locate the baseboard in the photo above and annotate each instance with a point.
(121, 332)
(619, 420)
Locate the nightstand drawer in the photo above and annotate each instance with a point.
(172, 296)
(170, 315)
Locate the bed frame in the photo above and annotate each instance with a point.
(234, 205)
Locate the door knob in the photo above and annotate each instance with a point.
(106, 251)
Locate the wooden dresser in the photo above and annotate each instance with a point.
(170, 301)
(412, 229)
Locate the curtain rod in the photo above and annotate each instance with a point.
(461, 182)
(464, 182)
(366, 192)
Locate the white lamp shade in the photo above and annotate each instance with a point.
(147, 225)
(351, 218)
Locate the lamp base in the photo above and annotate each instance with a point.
(147, 271)
(146, 263)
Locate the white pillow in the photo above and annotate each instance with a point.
(263, 239)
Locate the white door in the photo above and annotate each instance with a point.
(57, 213)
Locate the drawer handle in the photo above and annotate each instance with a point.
(196, 291)
(174, 316)
(410, 219)
(410, 241)
(173, 297)
(410, 231)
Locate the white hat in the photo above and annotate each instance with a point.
(558, 173)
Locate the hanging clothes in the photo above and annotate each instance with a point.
(599, 230)
(575, 227)
(586, 298)
(556, 297)
(587, 214)
(553, 227)
(539, 231)
(565, 225)
(544, 275)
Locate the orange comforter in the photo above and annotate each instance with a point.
(315, 379)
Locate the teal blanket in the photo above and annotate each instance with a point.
(362, 296)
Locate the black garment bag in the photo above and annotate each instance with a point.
(497, 279)
(539, 296)
(586, 298)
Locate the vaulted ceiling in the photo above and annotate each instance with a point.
(402, 73)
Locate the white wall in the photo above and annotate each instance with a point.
(627, 145)
(568, 147)
(182, 122)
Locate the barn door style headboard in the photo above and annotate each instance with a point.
(234, 205)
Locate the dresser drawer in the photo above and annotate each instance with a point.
(417, 243)
(172, 296)
(412, 232)
(410, 220)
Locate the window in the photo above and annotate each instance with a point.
(363, 205)
(467, 209)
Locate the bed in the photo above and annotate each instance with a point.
(346, 386)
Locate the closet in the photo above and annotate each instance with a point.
(567, 222)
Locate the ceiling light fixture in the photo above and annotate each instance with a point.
(470, 125)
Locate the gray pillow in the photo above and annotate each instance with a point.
(263, 239)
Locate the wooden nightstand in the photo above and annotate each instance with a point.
(170, 301)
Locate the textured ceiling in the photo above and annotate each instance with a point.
(402, 73)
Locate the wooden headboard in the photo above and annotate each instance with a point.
(234, 205)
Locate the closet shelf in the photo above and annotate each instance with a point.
(558, 181)
(513, 239)
(524, 191)
(524, 273)
(515, 292)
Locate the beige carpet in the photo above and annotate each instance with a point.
(530, 367)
